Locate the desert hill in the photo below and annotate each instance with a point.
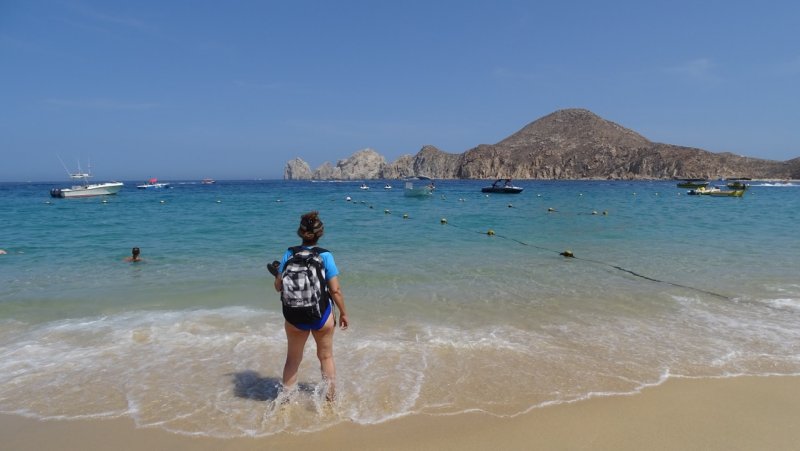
(566, 144)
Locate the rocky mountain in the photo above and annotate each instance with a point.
(567, 144)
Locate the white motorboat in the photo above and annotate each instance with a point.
(364, 186)
(424, 187)
(84, 188)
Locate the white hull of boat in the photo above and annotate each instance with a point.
(409, 190)
(90, 190)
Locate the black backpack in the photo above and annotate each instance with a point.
(305, 291)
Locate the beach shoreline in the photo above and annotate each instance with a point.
(743, 413)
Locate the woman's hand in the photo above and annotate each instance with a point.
(343, 321)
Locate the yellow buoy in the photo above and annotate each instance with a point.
(567, 253)
(490, 232)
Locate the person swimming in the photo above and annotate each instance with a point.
(134, 256)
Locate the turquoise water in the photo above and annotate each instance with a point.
(445, 318)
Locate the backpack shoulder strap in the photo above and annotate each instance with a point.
(319, 250)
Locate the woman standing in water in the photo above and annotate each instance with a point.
(299, 325)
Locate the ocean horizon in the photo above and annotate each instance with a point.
(458, 302)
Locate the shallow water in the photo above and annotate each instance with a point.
(445, 318)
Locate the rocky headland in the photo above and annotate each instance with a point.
(567, 144)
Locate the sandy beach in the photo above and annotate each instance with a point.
(744, 413)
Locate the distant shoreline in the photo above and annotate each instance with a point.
(598, 179)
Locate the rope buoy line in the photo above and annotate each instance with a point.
(569, 254)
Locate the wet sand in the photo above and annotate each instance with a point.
(744, 413)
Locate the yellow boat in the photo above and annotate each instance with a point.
(703, 191)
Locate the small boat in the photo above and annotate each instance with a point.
(715, 192)
(387, 186)
(364, 186)
(424, 186)
(153, 184)
(727, 193)
(693, 183)
(207, 181)
(502, 186)
(737, 185)
(86, 189)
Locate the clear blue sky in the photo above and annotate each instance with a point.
(235, 89)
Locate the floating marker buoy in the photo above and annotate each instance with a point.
(162, 201)
(371, 207)
(510, 206)
(348, 199)
(443, 221)
(405, 215)
(219, 201)
(104, 201)
(605, 212)
(538, 195)
(594, 212)
(490, 232)
(387, 211)
(461, 199)
(48, 202)
(580, 194)
(567, 253)
(551, 209)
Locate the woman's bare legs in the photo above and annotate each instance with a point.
(296, 342)
(324, 339)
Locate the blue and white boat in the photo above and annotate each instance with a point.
(153, 183)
